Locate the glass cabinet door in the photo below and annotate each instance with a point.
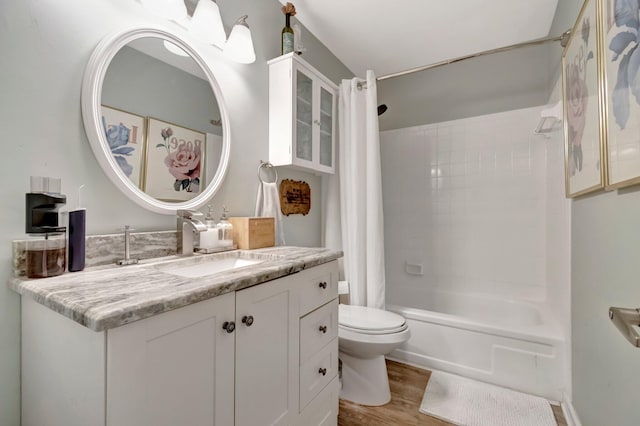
(326, 127)
(304, 117)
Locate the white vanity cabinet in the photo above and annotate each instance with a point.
(264, 355)
(302, 115)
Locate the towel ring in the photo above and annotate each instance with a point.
(269, 166)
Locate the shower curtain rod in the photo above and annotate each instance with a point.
(563, 39)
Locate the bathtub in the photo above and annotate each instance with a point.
(509, 343)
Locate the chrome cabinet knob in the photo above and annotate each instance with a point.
(322, 371)
(323, 329)
(229, 326)
(247, 320)
(323, 285)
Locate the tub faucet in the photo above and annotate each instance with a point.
(186, 226)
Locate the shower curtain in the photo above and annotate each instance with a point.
(354, 195)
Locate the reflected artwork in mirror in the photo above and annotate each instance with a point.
(154, 116)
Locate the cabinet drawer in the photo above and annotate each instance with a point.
(318, 286)
(317, 329)
(323, 410)
(317, 372)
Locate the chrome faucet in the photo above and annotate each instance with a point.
(188, 224)
(127, 248)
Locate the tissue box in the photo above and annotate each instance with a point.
(253, 232)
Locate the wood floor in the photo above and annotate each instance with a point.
(407, 388)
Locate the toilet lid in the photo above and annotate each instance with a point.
(369, 319)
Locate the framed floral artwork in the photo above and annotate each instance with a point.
(125, 135)
(583, 138)
(620, 35)
(174, 166)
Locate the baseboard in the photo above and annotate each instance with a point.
(570, 415)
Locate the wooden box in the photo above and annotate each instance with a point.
(253, 232)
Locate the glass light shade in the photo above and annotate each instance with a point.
(174, 49)
(206, 23)
(239, 46)
(170, 9)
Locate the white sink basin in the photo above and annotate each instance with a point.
(211, 267)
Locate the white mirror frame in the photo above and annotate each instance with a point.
(91, 114)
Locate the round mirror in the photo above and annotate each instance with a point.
(155, 118)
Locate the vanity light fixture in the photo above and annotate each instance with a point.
(239, 47)
(206, 23)
(170, 9)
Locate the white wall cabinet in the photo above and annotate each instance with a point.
(185, 367)
(302, 115)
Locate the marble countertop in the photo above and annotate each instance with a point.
(106, 297)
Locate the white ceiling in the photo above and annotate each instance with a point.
(389, 36)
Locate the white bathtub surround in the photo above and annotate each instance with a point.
(514, 344)
(471, 403)
(360, 194)
(477, 248)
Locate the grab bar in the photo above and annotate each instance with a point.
(625, 321)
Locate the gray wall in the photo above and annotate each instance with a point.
(45, 45)
(605, 271)
(494, 83)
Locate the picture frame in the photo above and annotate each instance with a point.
(125, 134)
(621, 116)
(174, 161)
(584, 142)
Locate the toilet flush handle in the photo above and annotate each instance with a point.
(323, 285)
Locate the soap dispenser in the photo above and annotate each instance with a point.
(209, 238)
(225, 230)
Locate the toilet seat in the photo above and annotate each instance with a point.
(366, 320)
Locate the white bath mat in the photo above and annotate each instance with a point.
(467, 402)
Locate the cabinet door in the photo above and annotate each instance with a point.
(175, 368)
(267, 354)
(326, 123)
(304, 117)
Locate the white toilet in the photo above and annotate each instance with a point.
(365, 336)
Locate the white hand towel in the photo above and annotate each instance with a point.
(268, 205)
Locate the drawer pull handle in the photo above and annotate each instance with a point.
(323, 285)
(322, 371)
(247, 320)
(323, 329)
(229, 326)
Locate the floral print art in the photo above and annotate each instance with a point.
(118, 137)
(183, 162)
(577, 96)
(624, 47)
